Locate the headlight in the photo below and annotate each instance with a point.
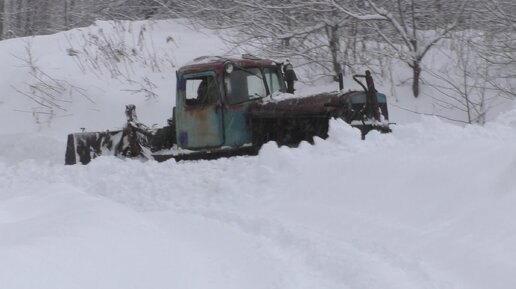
(228, 67)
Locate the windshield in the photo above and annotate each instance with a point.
(248, 84)
(273, 80)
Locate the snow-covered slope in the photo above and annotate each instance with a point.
(428, 206)
(87, 75)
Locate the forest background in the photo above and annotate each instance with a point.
(327, 37)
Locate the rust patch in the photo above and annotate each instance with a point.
(320, 104)
(200, 113)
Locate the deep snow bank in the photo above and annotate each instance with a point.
(428, 206)
(56, 236)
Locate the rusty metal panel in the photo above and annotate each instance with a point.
(200, 125)
(317, 105)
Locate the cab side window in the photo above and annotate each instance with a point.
(273, 80)
(202, 90)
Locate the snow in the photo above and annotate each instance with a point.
(281, 96)
(429, 205)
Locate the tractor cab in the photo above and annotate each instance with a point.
(213, 97)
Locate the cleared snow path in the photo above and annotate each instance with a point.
(429, 206)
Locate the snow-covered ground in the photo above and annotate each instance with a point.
(427, 206)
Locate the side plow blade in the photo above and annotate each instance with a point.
(85, 146)
(133, 140)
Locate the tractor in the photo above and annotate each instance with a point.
(228, 106)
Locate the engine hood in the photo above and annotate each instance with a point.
(318, 105)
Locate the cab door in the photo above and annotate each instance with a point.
(199, 112)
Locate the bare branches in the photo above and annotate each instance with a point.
(363, 17)
(407, 40)
(45, 91)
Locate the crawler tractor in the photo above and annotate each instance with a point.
(228, 106)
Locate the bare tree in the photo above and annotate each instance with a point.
(326, 32)
(408, 34)
(311, 32)
(32, 17)
(499, 46)
(464, 84)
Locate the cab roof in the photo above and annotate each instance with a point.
(217, 63)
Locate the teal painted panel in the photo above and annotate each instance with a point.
(361, 98)
(381, 98)
(236, 127)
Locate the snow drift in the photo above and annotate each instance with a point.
(427, 206)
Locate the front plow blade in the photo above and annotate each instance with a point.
(85, 146)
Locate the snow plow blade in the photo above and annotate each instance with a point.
(134, 141)
(83, 147)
